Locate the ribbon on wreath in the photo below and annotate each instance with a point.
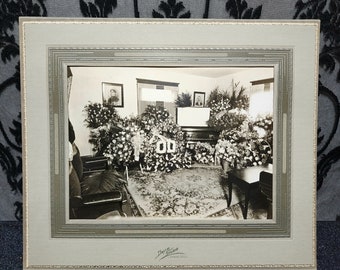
(220, 114)
(163, 145)
(137, 141)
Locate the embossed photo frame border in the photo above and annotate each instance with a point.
(198, 51)
(279, 59)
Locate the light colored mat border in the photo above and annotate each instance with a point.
(133, 265)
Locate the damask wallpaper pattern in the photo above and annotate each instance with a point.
(328, 171)
(328, 11)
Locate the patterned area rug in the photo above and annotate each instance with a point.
(234, 212)
(196, 192)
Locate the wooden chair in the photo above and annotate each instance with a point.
(266, 188)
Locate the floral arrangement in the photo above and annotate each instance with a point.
(232, 153)
(183, 100)
(127, 140)
(153, 115)
(99, 115)
(242, 148)
(121, 149)
(266, 124)
(228, 108)
(258, 153)
(204, 153)
(166, 162)
(239, 144)
(158, 121)
(223, 117)
(103, 122)
(235, 96)
(214, 96)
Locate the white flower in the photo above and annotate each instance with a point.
(179, 209)
(221, 150)
(165, 204)
(190, 208)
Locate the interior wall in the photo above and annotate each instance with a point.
(244, 77)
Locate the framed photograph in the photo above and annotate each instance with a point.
(199, 99)
(110, 184)
(113, 94)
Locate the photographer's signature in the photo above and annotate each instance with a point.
(169, 252)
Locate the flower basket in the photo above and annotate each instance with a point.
(204, 153)
(241, 148)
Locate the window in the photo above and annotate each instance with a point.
(157, 93)
(261, 98)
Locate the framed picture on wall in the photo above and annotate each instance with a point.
(113, 94)
(51, 235)
(199, 99)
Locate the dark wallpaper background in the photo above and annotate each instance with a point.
(328, 170)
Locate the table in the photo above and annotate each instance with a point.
(246, 179)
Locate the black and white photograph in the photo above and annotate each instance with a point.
(164, 155)
(199, 98)
(113, 94)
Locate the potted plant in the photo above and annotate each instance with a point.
(183, 100)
